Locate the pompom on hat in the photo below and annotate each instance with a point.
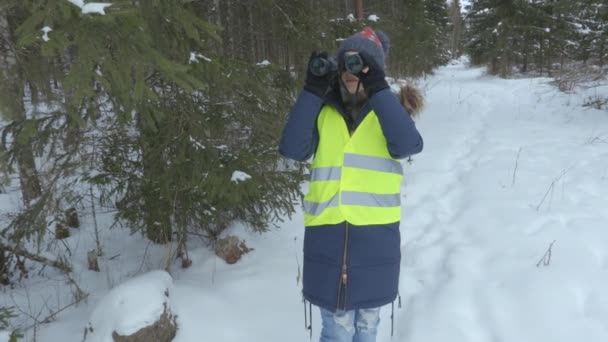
(374, 43)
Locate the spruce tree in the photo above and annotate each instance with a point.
(168, 121)
(592, 30)
(494, 32)
(418, 31)
(539, 34)
(437, 14)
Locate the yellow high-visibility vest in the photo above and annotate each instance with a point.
(353, 178)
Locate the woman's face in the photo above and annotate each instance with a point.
(351, 81)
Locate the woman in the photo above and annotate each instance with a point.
(357, 131)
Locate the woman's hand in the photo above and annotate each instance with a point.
(372, 76)
(317, 85)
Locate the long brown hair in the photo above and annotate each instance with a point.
(411, 98)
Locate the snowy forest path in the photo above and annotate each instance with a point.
(481, 207)
(460, 121)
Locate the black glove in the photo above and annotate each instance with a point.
(374, 79)
(317, 85)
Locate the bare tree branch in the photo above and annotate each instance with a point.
(546, 259)
(61, 265)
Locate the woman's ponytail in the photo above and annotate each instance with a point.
(411, 98)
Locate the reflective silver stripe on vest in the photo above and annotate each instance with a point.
(372, 163)
(370, 200)
(326, 174)
(316, 208)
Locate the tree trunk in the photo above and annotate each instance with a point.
(217, 13)
(457, 27)
(602, 51)
(228, 36)
(252, 35)
(28, 175)
(542, 52)
(215, 16)
(525, 53)
(157, 209)
(157, 216)
(24, 155)
(5, 278)
(358, 9)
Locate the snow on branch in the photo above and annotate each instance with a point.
(239, 176)
(194, 57)
(263, 63)
(45, 30)
(91, 7)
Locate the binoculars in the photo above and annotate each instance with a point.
(320, 66)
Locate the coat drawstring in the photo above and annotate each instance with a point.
(392, 318)
(393, 313)
(305, 315)
(308, 318)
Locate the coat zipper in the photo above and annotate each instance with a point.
(344, 274)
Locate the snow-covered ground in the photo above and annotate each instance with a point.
(511, 169)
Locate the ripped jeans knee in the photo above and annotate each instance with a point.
(366, 321)
(350, 326)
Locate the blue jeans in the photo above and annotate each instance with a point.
(350, 326)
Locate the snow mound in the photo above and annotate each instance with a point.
(131, 306)
(5, 336)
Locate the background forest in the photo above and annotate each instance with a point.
(166, 114)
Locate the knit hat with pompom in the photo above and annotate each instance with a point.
(375, 43)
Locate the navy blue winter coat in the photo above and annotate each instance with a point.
(374, 251)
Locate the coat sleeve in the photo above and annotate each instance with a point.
(300, 136)
(403, 139)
